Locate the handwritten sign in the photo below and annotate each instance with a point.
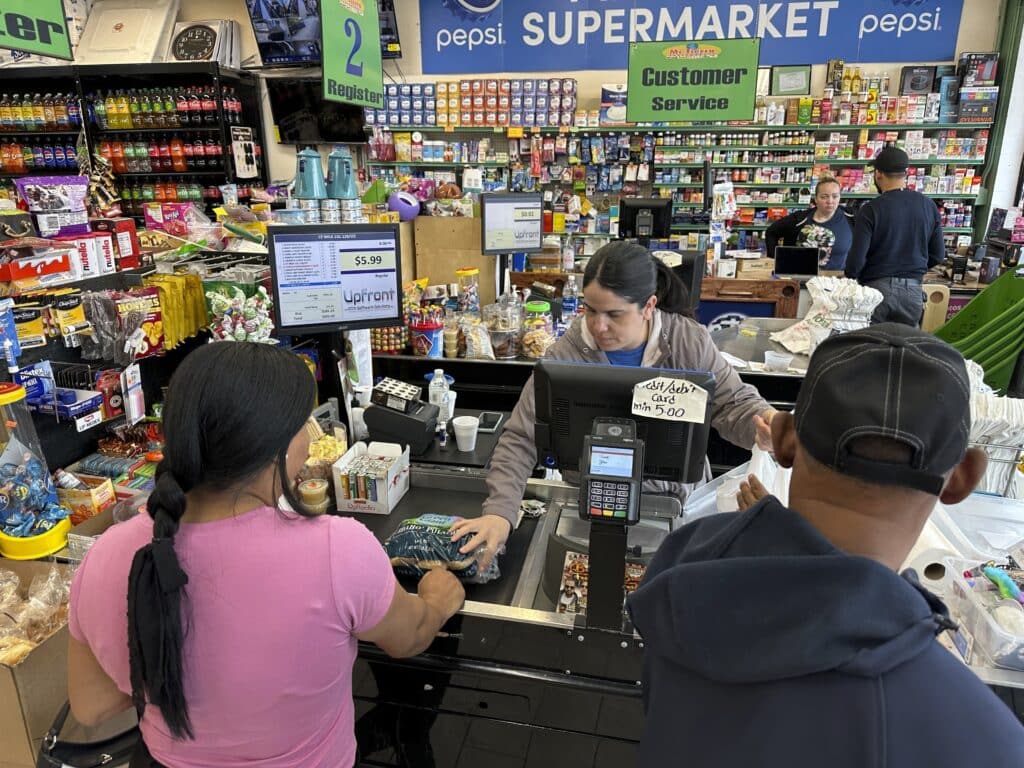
(670, 400)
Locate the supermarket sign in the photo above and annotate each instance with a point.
(35, 26)
(486, 36)
(692, 80)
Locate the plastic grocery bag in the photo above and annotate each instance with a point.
(422, 543)
(838, 305)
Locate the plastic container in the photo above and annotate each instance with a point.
(35, 547)
(469, 289)
(466, 429)
(428, 340)
(538, 329)
(777, 361)
(504, 323)
(1003, 648)
(451, 336)
(982, 527)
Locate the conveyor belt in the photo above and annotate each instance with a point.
(419, 501)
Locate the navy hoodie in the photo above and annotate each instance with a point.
(767, 646)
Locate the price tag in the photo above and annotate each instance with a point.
(515, 132)
(449, 129)
(670, 400)
(535, 129)
(89, 421)
(563, 129)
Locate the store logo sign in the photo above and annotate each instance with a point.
(692, 51)
(483, 36)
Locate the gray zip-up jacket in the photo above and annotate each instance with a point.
(674, 342)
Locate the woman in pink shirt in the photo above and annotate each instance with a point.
(229, 624)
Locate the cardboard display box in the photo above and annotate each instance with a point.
(388, 490)
(31, 693)
(85, 504)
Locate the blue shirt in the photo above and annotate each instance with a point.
(629, 357)
(835, 234)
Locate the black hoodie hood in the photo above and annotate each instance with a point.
(762, 596)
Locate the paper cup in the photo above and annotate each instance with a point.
(466, 428)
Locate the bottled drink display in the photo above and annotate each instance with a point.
(42, 113)
(154, 108)
(34, 155)
(161, 153)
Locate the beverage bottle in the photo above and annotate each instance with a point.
(847, 80)
(17, 118)
(181, 108)
(182, 191)
(6, 116)
(110, 107)
(214, 158)
(154, 156)
(170, 191)
(126, 200)
(131, 162)
(195, 107)
(5, 158)
(856, 81)
(136, 199)
(38, 115)
(60, 111)
(71, 154)
(199, 153)
(123, 111)
(60, 159)
(159, 118)
(195, 192)
(210, 107)
(107, 151)
(170, 111)
(570, 300)
(49, 161)
(165, 155)
(27, 114)
(49, 115)
(146, 117)
(178, 155)
(28, 157)
(135, 111)
(148, 191)
(117, 157)
(142, 155)
(439, 392)
(190, 153)
(99, 112)
(159, 194)
(38, 160)
(74, 111)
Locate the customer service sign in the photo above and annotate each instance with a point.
(484, 36)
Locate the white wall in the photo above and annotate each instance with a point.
(978, 32)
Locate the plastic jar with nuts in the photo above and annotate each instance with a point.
(538, 329)
(504, 323)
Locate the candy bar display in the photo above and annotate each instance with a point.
(422, 543)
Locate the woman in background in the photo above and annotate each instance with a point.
(828, 226)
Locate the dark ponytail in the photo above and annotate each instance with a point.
(232, 409)
(630, 272)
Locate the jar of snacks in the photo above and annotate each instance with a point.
(469, 289)
(505, 324)
(538, 329)
(389, 341)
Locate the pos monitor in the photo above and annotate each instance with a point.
(511, 222)
(335, 277)
(645, 217)
(569, 396)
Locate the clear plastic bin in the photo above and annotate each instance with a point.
(1002, 648)
(982, 527)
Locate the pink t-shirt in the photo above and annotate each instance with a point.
(272, 609)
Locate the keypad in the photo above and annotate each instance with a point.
(608, 499)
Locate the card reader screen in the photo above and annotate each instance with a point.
(611, 462)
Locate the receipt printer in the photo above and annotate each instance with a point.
(416, 428)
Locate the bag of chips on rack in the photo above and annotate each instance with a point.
(423, 543)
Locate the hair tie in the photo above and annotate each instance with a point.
(169, 575)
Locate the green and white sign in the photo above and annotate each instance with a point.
(353, 72)
(36, 26)
(692, 81)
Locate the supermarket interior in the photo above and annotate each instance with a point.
(464, 231)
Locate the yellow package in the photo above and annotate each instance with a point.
(69, 314)
(28, 325)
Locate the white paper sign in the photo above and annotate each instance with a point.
(670, 400)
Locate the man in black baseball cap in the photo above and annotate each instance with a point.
(897, 238)
(784, 635)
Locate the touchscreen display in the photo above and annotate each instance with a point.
(611, 462)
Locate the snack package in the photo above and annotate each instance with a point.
(28, 505)
(422, 543)
(46, 194)
(477, 341)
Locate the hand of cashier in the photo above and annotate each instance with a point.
(489, 531)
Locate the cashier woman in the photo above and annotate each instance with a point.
(636, 314)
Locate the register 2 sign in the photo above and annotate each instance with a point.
(36, 26)
(692, 80)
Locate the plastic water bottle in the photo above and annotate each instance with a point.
(438, 393)
(570, 300)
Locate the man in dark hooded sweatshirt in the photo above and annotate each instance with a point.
(784, 636)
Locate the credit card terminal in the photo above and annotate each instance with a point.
(611, 472)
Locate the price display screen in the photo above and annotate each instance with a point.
(512, 223)
(611, 462)
(335, 277)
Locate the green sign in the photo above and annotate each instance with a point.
(35, 26)
(353, 72)
(692, 81)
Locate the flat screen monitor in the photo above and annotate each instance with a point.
(335, 277)
(798, 262)
(287, 31)
(645, 217)
(569, 396)
(689, 266)
(303, 117)
(511, 222)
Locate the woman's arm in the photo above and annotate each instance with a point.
(412, 621)
(93, 695)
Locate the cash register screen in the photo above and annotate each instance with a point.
(611, 462)
(335, 277)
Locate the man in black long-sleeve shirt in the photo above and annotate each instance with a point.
(897, 238)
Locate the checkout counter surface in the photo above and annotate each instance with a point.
(749, 340)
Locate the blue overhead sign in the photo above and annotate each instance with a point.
(489, 36)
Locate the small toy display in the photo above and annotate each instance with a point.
(240, 318)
